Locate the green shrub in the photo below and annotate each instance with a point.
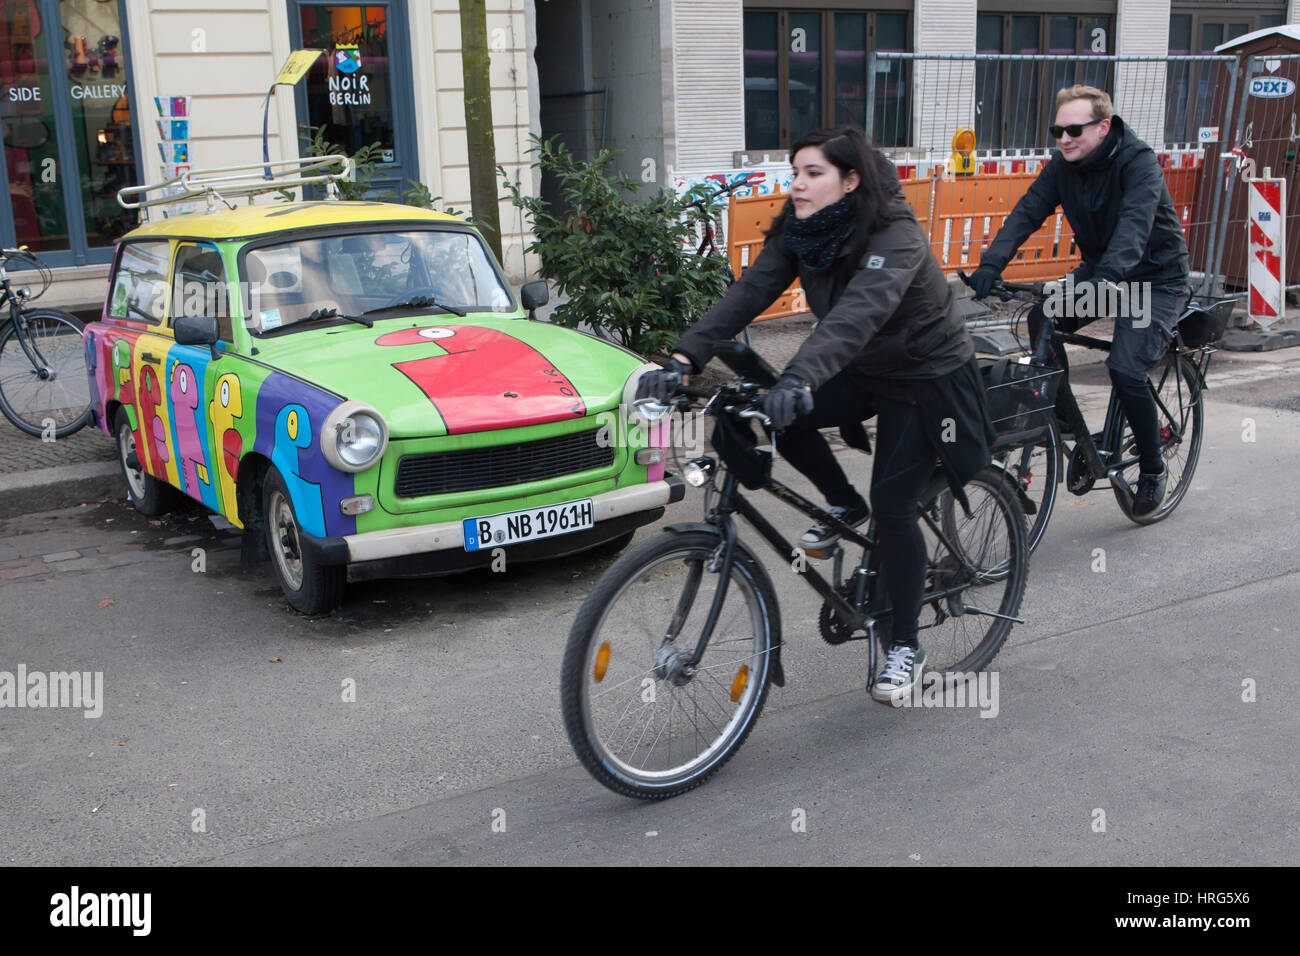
(629, 268)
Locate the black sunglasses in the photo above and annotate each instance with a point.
(1074, 129)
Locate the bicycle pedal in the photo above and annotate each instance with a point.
(823, 554)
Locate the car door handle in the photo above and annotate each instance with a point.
(150, 358)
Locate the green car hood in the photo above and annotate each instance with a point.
(444, 375)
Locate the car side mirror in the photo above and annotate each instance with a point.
(534, 295)
(197, 330)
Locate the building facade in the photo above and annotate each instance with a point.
(676, 85)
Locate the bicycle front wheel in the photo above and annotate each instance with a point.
(52, 395)
(1176, 384)
(977, 572)
(641, 720)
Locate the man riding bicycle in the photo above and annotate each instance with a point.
(1113, 192)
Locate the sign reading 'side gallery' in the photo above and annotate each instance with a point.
(99, 91)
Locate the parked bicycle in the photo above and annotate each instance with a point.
(668, 662)
(1033, 460)
(713, 241)
(43, 385)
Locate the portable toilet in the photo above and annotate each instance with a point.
(1271, 139)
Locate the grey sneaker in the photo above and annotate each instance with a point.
(820, 535)
(903, 667)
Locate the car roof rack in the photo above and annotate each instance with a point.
(221, 184)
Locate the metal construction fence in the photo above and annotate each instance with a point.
(1007, 102)
(1264, 143)
(1213, 122)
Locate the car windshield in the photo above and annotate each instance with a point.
(307, 279)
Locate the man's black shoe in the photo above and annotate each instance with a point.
(1150, 493)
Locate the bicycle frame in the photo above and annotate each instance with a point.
(1094, 453)
(864, 576)
(7, 297)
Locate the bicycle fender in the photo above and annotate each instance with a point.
(778, 671)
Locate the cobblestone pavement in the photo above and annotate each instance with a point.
(27, 453)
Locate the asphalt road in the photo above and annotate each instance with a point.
(1123, 693)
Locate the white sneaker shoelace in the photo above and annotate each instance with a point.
(897, 664)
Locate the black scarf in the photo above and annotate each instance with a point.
(816, 241)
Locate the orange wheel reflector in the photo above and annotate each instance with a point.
(602, 662)
(738, 685)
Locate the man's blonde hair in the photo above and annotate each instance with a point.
(1101, 105)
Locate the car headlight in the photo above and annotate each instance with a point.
(353, 437)
(648, 412)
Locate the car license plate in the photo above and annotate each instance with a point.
(529, 525)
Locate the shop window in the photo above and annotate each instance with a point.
(69, 136)
(807, 68)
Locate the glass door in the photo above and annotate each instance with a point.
(359, 91)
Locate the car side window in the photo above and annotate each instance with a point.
(199, 286)
(140, 284)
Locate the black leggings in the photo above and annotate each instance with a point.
(902, 467)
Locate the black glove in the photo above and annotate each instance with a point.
(982, 279)
(661, 383)
(788, 397)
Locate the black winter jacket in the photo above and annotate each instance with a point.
(1124, 221)
(892, 316)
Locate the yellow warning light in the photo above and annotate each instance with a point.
(962, 160)
(738, 685)
(602, 662)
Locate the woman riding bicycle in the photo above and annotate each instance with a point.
(890, 343)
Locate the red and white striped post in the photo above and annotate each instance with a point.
(1267, 225)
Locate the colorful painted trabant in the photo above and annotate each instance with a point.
(355, 386)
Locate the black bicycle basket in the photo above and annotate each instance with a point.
(1203, 322)
(736, 445)
(1021, 398)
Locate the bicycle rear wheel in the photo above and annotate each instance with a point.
(57, 400)
(1032, 471)
(1176, 382)
(977, 572)
(640, 722)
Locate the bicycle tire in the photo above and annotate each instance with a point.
(995, 548)
(31, 403)
(1035, 479)
(623, 611)
(1182, 395)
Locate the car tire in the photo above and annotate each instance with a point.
(308, 585)
(146, 493)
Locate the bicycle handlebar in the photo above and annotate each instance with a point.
(1006, 291)
(723, 191)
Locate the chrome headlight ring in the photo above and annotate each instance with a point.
(353, 437)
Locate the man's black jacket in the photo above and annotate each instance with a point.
(1117, 202)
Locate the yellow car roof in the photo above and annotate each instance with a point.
(273, 217)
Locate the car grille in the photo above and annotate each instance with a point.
(499, 465)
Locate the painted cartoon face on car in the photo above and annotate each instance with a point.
(533, 390)
(225, 409)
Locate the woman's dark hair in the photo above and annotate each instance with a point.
(848, 149)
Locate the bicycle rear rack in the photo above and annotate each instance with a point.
(221, 184)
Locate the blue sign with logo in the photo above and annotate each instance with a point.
(1272, 86)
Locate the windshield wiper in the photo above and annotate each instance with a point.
(332, 313)
(420, 302)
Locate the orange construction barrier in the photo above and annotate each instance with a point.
(961, 216)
